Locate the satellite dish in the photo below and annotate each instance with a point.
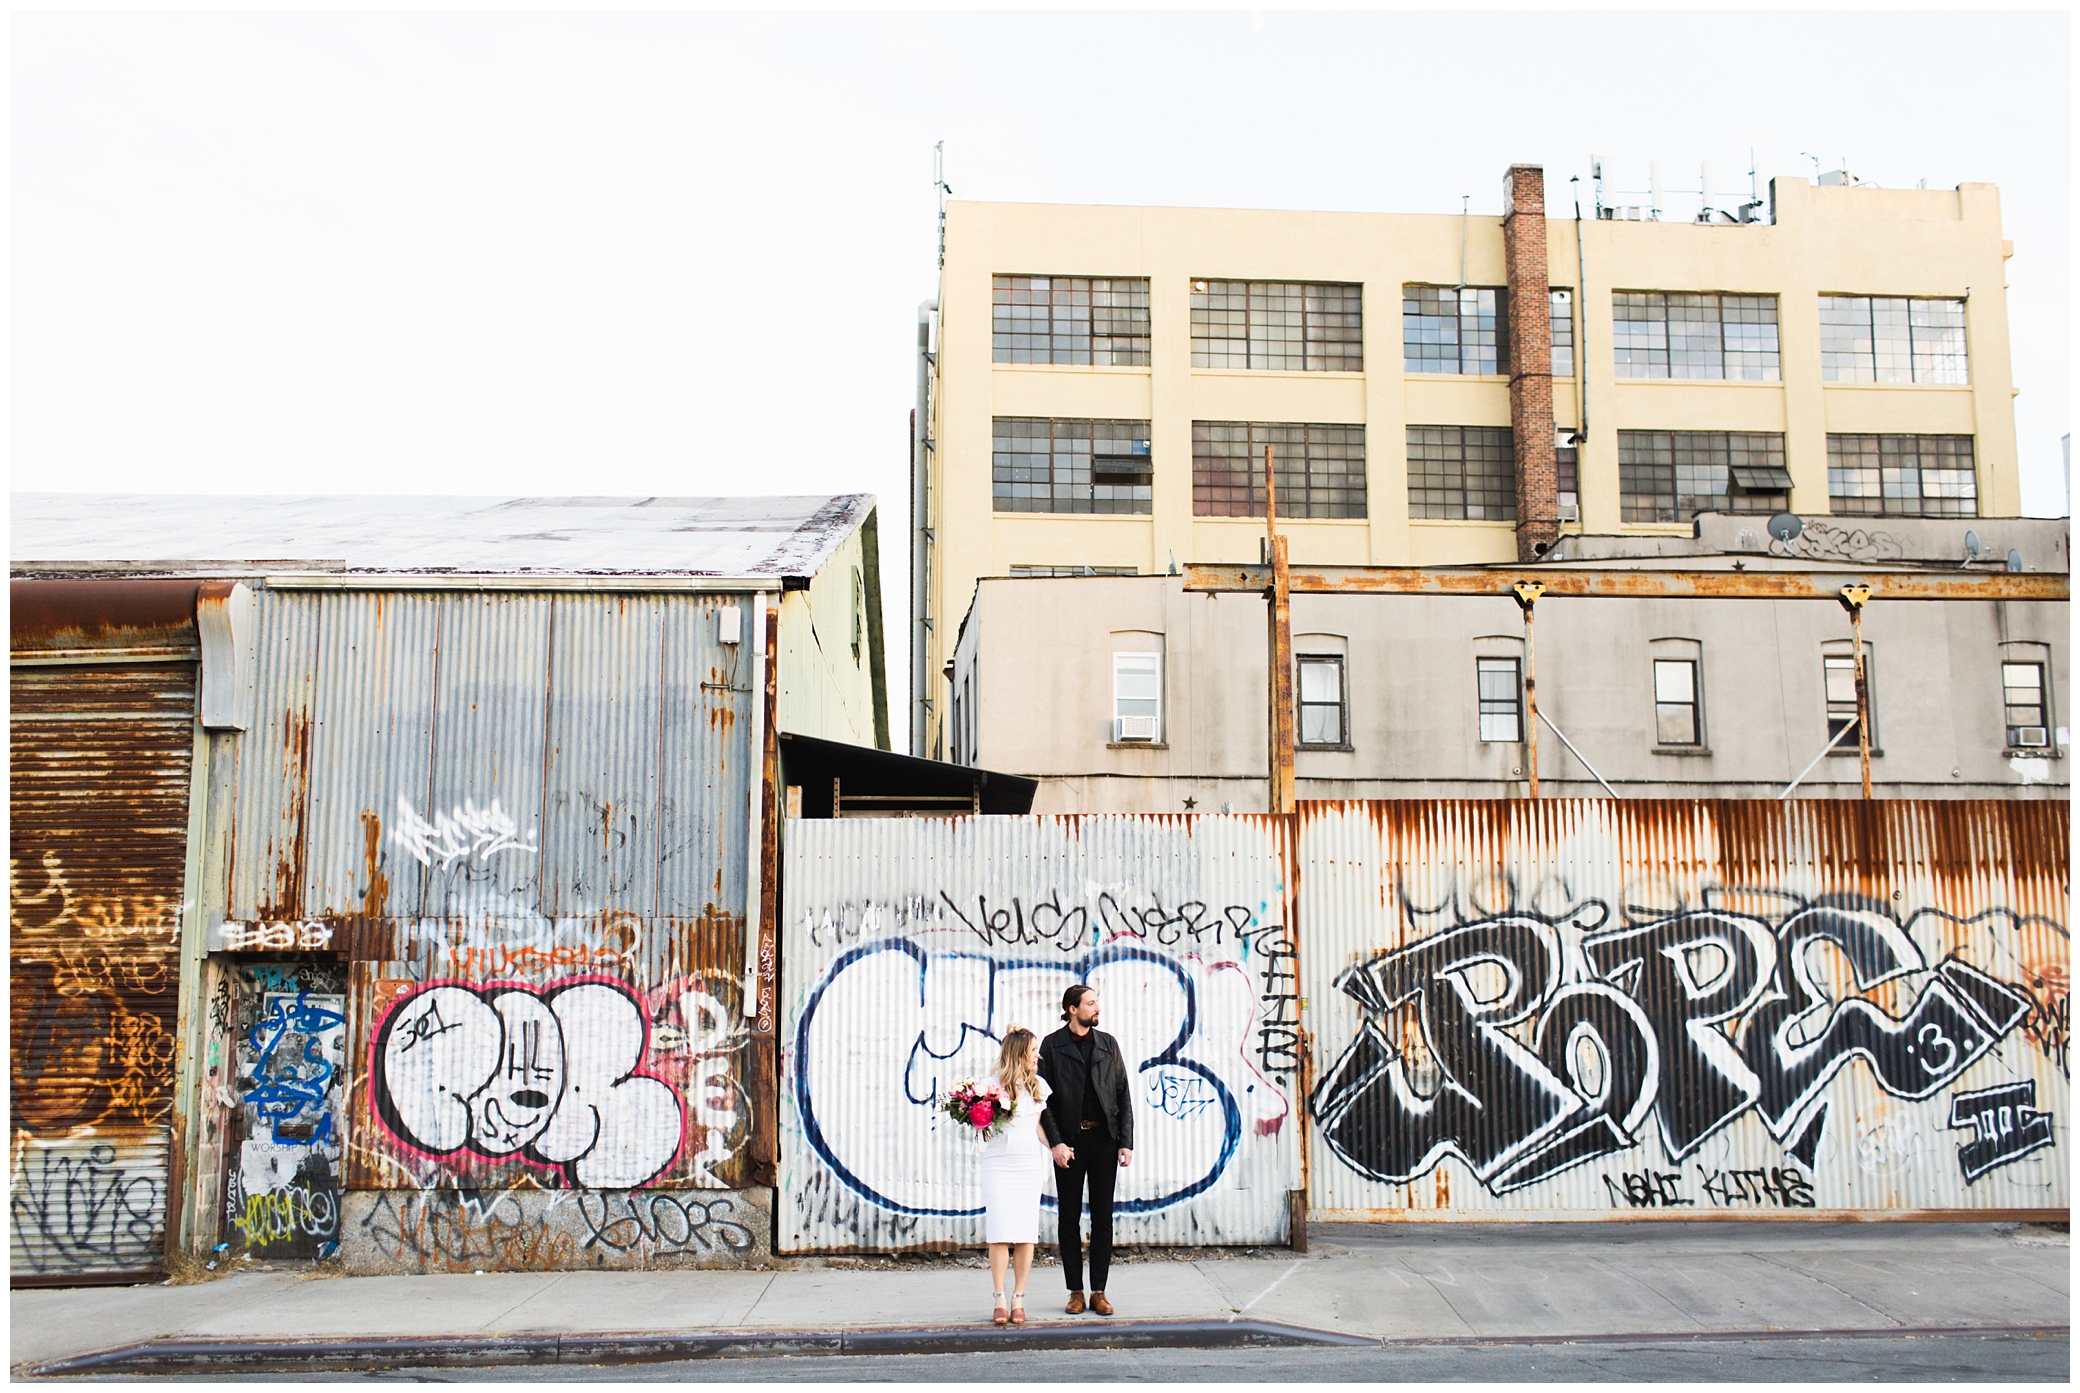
(1785, 527)
(1971, 546)
(2014, 559)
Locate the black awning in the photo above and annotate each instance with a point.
(880, 781)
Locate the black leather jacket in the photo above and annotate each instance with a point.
(1108, 1082)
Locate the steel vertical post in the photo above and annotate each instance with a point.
(1281, 644)
(1527, 593)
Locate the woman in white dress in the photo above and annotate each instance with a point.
(1015, 1165)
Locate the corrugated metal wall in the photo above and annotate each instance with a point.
(910, 946)
(1596, 1009)
(99, 758)
(524, 818)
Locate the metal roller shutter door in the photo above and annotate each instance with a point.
(100, 757)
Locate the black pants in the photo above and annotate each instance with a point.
(1096, 1161)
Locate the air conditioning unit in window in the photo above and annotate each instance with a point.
(1570, 512)
(2031, 737)
(1126, 729)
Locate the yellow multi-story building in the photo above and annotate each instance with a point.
(1097, 385)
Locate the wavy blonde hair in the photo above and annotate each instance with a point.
(1013, 1071)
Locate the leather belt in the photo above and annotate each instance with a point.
(1089, 1127)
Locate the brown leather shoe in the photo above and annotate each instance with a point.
(1100, 1304)
(1075, 1306)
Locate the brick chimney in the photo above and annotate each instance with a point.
(1530, 359)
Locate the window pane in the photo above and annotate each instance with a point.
(1892, 340)
(1673, 681)
(1496, 680)
(1675, 725)
(1846, 354)
(1321, 469)
(1071, 466)
(1465, 472)
(1561, 316)
(1278, 325)
(1136, 684)
(1073, 320)
(1321, 725)
(1841, 682)
(1320, 681)
(1937, 328)
(1902, 475)
(1450, 329)
(2022, 690)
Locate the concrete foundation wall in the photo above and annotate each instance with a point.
(408, 1232)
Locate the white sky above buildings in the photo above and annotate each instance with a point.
(681, 253)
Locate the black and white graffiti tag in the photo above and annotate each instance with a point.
(1550, 1050)
(552, 1076)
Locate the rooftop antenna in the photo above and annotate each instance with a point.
(1816, 163)
(1754, 203)
(939, 187)
(1596, 176)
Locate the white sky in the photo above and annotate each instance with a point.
(678, 253)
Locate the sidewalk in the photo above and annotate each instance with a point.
(1486, 1283)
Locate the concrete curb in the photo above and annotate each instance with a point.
(420, 1352)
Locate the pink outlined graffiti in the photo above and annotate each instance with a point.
(551, 1076)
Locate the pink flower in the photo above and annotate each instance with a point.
(982, 1113)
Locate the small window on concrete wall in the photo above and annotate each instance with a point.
(1675, 703)
(1839, 672)
(2023, 698)
(1321, 704)
(1137, 698)
(1501, 700)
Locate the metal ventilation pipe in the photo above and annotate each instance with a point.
(920, 534)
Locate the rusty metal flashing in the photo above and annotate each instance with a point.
(44, 572)
(1499, 581)
(423, 580)
(49, 656)
(82, 619)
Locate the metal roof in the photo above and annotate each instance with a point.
(790, 535)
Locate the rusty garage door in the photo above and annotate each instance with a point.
(99, 760)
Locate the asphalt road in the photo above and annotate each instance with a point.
(1949, 1358)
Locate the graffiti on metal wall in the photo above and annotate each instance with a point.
(92, 976)
(595, 1084)
(1203, 998)
(522, 1227)
(282, 1196)
(82, 1204)
(1526, 1045)
(466, 835)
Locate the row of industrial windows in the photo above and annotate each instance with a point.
(1677, 684)
(1043, 465)
(1305, 326)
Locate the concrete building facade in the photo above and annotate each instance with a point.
(1422, 696)
(1097, 384)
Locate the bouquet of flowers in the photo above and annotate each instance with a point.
(983, 1111)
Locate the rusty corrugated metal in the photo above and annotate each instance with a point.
(910, 945)
(523, 819)
(1633, 581)
(1595, 1009)
(107, 616)
(99, 759)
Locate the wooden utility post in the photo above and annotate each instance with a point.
(1854, 597)
(1281, 598)
(1527, 593)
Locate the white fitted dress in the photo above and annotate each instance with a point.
(1015, 1166)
